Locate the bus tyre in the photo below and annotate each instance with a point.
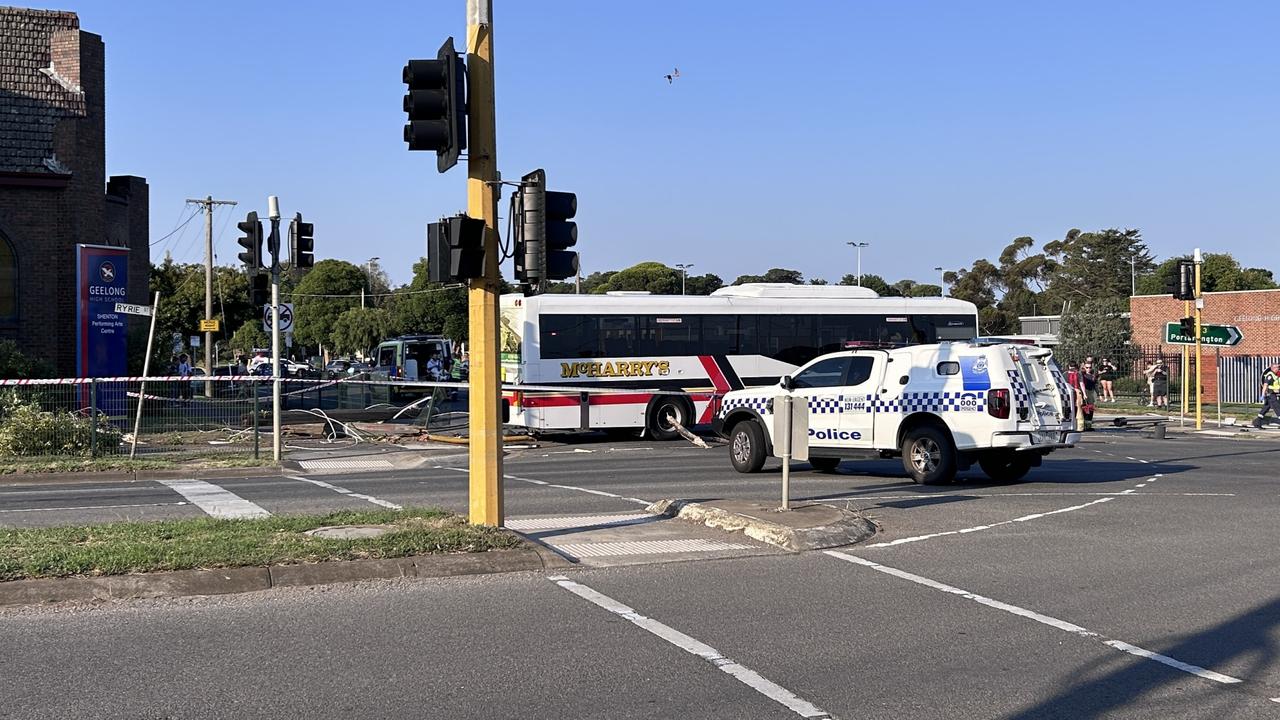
(928, 456)
(746, 446)
(1005, 467)
(824, 464)
(661, 410)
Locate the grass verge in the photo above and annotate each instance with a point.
(136, 547)
(52, 464)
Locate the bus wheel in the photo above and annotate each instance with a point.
(746, 447)
(661, 410)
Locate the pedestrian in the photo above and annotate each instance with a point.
(1088, 383)
(1158, 383)
(184, 371)
(1107, 379)
(1270, 395)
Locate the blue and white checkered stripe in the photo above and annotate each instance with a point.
(825, 405)
(1021, 397)
(934, 402)
(759, 404)
(1064, 392)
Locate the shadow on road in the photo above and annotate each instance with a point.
(1127, 678)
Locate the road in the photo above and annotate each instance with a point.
(1127, 578)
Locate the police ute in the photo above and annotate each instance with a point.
(940, 407)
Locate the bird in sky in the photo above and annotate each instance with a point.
(674, 74)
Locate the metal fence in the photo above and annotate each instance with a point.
(96, 417)
(1240, 376)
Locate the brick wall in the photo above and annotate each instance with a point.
(1255, 312)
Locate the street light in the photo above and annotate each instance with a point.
(943, 279)
(684, 272)
(858, 246)
(369, 279)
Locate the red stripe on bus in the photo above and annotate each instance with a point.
(713, 371)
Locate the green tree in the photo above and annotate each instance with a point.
(874, 282)
(774, 275)
(15, 365)
(426, 308)
(1220, 272)
(331, 288)
(703, 284)
(181, 288)
(924, 290)
(359, 330)
(652, 276)
(1095, 265)
(249, 336)
(1095, 327)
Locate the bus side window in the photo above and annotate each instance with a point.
(719, 334)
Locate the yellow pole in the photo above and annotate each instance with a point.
(1199, 354)
(482, 296)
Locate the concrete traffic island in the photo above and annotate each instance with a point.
(809, 526)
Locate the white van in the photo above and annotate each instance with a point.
(405, 357)
(940, 407)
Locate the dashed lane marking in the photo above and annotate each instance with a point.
(344, 491)
(1024, 518)
(1043, 619)
(646, 547)
(215, 500)
(739, 672)
(345, 464)
(94, 507)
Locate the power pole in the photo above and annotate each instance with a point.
(486, 486)
(208, 202)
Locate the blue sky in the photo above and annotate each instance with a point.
(936, 131)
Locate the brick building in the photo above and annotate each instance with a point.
(53, 189)
(1255, 312)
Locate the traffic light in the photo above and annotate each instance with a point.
(1186, 280)
(1187, 327)
(547, 231)
(251, 242)
(259, 290)
(455, 249)
(436, 104)
(302, 242)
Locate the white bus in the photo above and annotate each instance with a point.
(702, 346)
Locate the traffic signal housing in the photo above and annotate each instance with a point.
(1187, 327)
(251, 256)
(302, 242)
(1186, 280)
(455, 249)
(259, 290)
(436, 104)
(547, 231)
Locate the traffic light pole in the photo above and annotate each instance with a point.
(1199, 354)
(273, 205)
(482, 296)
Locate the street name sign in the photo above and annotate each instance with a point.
(1211, 335)
(129, 309)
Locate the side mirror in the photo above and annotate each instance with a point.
(786, 383)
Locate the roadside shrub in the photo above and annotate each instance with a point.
(26, 430)
(15, 365)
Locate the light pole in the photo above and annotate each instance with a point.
(858, 246)
(1133, 276)
(368, 278)
(942, 277)
(684, 273)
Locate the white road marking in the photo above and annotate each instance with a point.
(1009, 494)
(93, 507)
(576, 521)
(601, 493)
(344, 491)
(1024, 518)
(644, 547)
(740, 672)
(1141, 485)
(216, 501)
(1043, 619)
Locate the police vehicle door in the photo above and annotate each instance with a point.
(821, 386)
(862, 385)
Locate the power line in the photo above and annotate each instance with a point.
(176, 229)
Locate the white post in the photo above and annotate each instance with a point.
(146, 368)
(785, 439)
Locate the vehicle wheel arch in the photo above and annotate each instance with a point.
(923, 419)
(741, 415)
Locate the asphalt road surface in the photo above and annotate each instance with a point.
(1127, 578)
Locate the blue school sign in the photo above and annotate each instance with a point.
(102, 280)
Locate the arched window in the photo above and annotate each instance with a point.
(8, 282)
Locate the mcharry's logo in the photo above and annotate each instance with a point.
(107, 271)
(622, 368)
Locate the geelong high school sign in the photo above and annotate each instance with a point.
(102, 280)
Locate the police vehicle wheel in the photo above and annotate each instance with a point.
(746, 447)
(660, 413)
(1005, 467)
(824, 464)
(928, 456)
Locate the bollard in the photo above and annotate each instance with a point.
(1158, 431)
